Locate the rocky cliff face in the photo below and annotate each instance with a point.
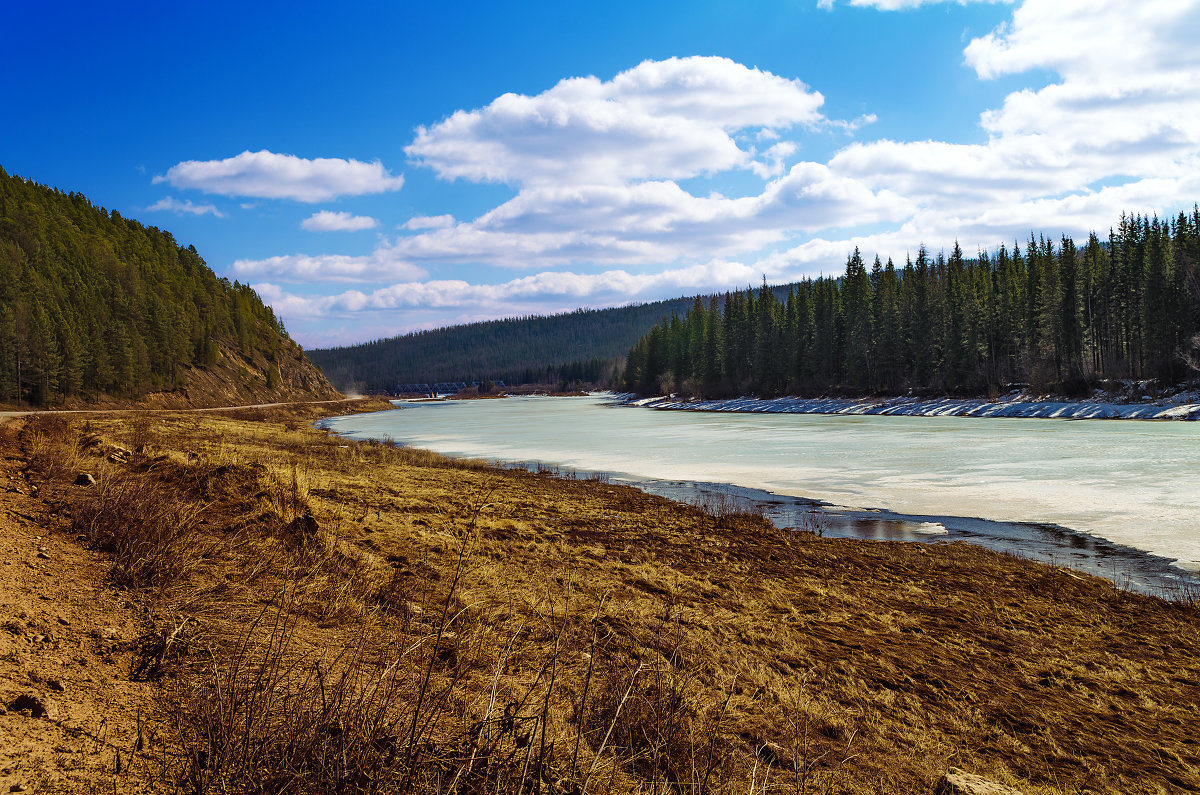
(239, 380)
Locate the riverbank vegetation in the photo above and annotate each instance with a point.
(323, 615)
(95, 306)
(1058, 317)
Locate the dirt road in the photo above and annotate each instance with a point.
(5, 416)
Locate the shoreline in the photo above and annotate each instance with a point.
(1126, 566)
(881, 664)
(1012, 406)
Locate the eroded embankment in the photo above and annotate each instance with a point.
(322, 614)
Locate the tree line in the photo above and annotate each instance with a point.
(587, 345)
(1054, 316)
(92, 303)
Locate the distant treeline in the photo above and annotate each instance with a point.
(1053, 316)
(92, 303)
(587, 345)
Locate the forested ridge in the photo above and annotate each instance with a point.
(586, 345)
(1057, 317)
(93, 304)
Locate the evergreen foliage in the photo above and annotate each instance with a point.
(586, 345)
(92, 303)
(1055, 317)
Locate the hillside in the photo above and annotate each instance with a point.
(586, 345)
(98, 308)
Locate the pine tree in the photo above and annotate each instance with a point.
(857, 311)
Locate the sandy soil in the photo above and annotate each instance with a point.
(70, 717)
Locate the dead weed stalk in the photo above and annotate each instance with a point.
(150, 532)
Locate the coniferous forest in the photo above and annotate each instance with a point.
(1053, 316)
(93, 304)
(586, 346)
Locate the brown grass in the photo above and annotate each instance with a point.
(348, 617)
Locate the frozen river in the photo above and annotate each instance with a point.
(1095, 494)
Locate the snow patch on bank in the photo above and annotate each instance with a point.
(1183, 406)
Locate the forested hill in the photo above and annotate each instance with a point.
(97, 307)
(587, 345)
(1058, 317)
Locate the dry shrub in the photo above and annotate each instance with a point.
(53, 448)
(726, 509)
(275, 714)
(271, 719)
(139, 432)
(652, 717)
(143, 524)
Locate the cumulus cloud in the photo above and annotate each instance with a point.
(1126, 105)
(267, 175)
(597, 168)
(379, 265)
(662, 119)
(1090, 38)
(612, 286)
(171, 204)
(596, 164)
(329, 221)
(647, 223)
(428, 222)
(772, 162)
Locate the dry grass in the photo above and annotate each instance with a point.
(362, 618)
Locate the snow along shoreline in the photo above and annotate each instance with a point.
(1183, 406)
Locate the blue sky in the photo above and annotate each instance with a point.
(383, 167)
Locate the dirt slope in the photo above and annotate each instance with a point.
(70, 712)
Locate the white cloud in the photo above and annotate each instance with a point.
(1126, 107)
(428, 222)
(607, 288)
(1083, 39)
(597, 168)
(381, 264)
(647, 223)
(771, 164)
(267, 175)
(595, 163)
(328, 221)
(171, 204)
(662, 119)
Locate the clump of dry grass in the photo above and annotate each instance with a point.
(53, 447)
(267, 719)
(726, 509)
(150, 533)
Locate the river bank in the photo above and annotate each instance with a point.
(576, 632)
(1127, 567)
(1183, 405)
(1114, 498)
